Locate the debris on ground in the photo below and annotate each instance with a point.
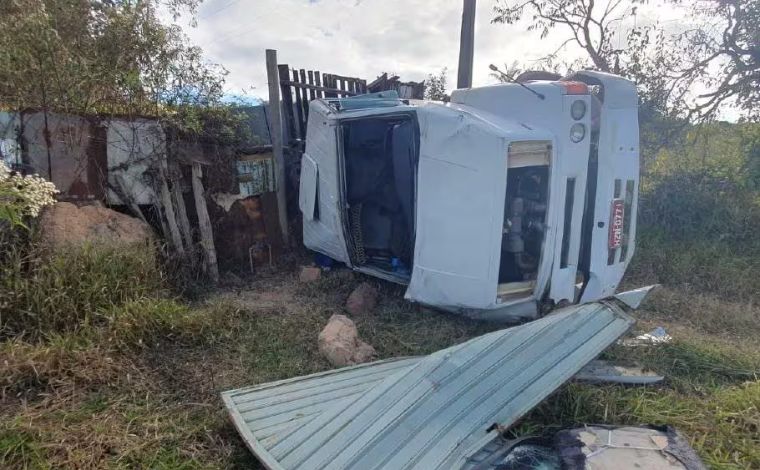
(362, 300)
(598, 448)
(626, 448)
(339, 342)
(656, 336)
(605, 371)
(310, 274)
(65, 224)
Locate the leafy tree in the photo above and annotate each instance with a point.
(101, 56)
(717, 53)
(722, 55)
(435, 86)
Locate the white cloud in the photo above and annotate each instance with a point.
(364, 38)
(358, 38)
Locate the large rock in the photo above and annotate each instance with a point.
(66, 224)
(339, 342)
(362, 300)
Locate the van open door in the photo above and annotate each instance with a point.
(320, 186)
(611, 219)
(459, 212)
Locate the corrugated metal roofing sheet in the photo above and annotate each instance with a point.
(422, 413)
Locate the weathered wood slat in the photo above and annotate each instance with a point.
(299, 105)
(305, 101)
(312, 93)
(204, 222)
(168, 206)
(318, 82)
(273, 73)
(287, 99)
(326, 90)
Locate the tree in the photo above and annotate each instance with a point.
(435, 86)
(101, 56)
(669, 67)
(722, 56)
(589, 26)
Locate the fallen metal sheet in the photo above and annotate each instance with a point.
(423, 413)
(599, 371)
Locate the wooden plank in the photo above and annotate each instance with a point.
(328, 84)
(318, 82)
(328, 91)
(204, 223)
(312, 93)
(287, 99)
(277, 147)
(299, 107)
(341, 85)
(344, 77)
(168, 206)
(175, 175)
(269, 206)
(305, 103)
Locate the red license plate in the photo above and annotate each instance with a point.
(617, 214)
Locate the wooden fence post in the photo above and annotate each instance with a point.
(275, 122)
(204, 223)
(166, 201)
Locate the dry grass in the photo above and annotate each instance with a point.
(140, 387)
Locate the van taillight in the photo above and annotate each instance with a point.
(574, 88)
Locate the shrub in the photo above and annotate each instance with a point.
(695, 206)
(22, 196)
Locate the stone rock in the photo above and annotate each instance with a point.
(65, 224)
(310, 274)
(362, 300)
(339, 342)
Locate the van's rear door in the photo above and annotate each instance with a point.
(613, 226)
(320, 186)
(461, 181)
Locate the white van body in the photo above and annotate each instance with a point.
(500, 205)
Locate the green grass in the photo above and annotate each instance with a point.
(728, 271)
(721, 425)
(134, 381)
(42, 293)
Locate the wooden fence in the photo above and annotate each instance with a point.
(299, 87)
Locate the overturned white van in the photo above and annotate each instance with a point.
(506, 202)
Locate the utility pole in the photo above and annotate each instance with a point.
(466, 45)
(275, 123)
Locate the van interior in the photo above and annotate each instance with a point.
(380, 156)
(525, 209)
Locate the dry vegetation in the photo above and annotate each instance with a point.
(133, 380)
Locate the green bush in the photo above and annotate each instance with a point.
(64, 291)
(693, 206)
(727, 269)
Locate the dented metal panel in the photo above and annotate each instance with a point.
(422, 413)
(325, 233)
